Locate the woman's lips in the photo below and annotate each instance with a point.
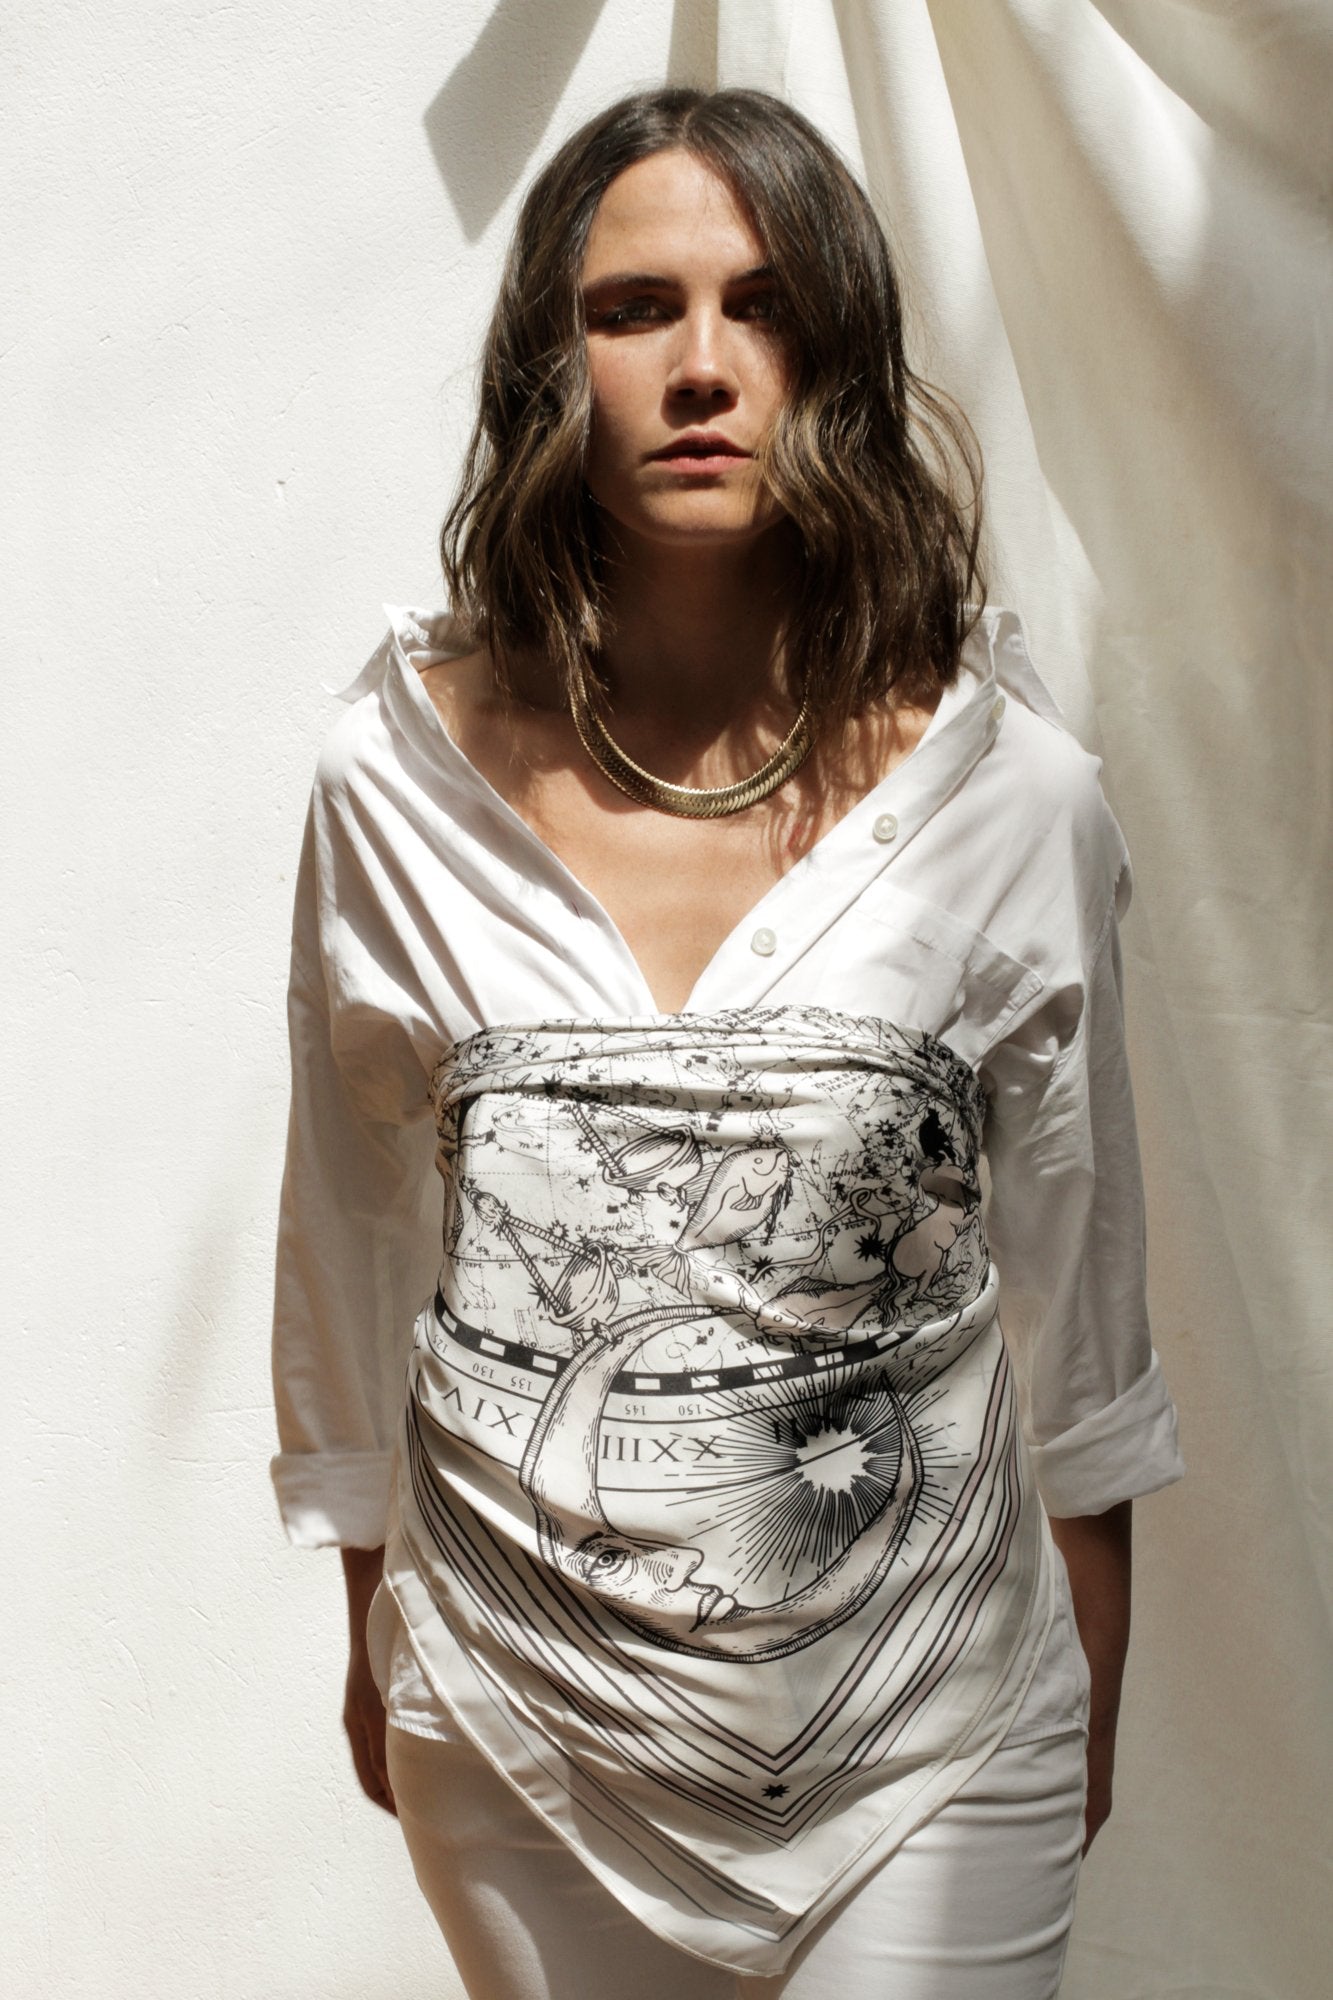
(712, 455)
(713, 461)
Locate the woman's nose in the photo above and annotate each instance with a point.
(701, 365)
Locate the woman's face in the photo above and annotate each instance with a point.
(685, 353)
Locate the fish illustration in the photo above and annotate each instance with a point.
(741, 1197)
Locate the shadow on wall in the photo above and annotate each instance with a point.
(489, 117)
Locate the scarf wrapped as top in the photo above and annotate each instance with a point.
(709, 1459)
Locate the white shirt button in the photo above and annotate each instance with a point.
(997, 708)
(764, 942)
(885, 827)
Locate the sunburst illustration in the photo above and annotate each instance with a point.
(797, 1486)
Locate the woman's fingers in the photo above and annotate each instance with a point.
(365, 1723)
(1101, 1763)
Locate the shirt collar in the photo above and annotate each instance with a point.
(996, 651)
(995, 667)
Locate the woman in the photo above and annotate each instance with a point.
(721, 880)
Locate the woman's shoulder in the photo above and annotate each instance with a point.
(1037, 799)
(1040, 763)
(395, 722)
(1067, 840)
(1052, 769)
(462, 691)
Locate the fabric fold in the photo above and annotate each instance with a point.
(1130, 1446)
(333, 1499)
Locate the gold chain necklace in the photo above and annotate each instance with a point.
(685, 801)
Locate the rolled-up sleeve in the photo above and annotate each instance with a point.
(1066, 1227)
(358, 1249)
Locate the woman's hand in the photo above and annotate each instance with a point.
(1097, 1553)
(1101, 1764)
(363, 1710)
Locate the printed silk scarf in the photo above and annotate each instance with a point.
(709, 1461)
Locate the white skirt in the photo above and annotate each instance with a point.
(976, 1904)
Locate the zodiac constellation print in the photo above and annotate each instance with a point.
(585, 1290)
(643, 1209)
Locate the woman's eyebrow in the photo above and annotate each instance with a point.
(617, 281)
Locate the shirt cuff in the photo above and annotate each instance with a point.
(1118, 1453)
(333, 1500)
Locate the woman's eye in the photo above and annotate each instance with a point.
(634, 312)
(762, 307)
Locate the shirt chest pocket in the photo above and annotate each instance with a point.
(919, 966)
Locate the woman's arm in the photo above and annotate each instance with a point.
(1066, 1231)
(358, 1226)
(363, 1710)
(1097, 1553)
(358, 1239)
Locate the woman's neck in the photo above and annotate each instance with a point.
(695, 635)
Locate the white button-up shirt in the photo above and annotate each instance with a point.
(970, 900)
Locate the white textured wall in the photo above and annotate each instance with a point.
(249, 250)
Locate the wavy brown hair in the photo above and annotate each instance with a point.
(879, 474)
